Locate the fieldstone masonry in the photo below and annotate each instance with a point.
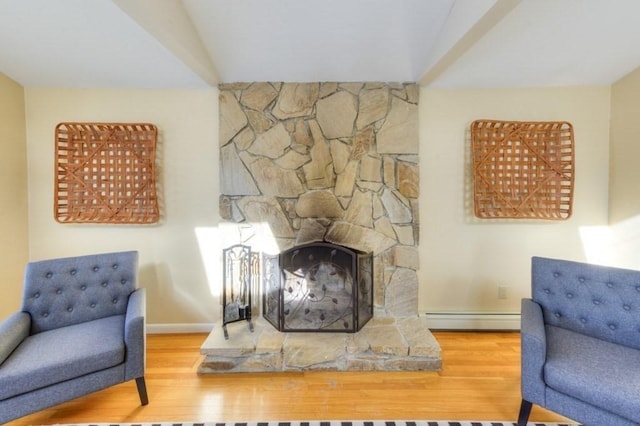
(334, 162)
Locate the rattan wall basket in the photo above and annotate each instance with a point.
(522, 170)
(105, 173)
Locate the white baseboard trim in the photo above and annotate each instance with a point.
(472, 321)
(179, 328)
(434, 321)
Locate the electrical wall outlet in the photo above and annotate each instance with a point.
(502, 292)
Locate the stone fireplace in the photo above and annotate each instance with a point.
(335, 163)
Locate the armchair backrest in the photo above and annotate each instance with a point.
(600, 301)
(72, 290)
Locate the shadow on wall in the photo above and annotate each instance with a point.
(173, 302)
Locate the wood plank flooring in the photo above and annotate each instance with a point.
(480, 380)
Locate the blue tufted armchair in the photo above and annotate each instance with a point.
(81, 329)
(581, 343)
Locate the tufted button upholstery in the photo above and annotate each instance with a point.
(82, 288)
(591, 299)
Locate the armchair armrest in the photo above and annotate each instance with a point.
(534, 352)
(135, 337)
(13, 331)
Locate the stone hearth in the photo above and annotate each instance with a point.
(383, 344)
(336, 163)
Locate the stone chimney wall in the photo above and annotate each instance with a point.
(335, 162)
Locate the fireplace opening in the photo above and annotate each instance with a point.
(318, 287)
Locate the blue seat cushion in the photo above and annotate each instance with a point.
(62, 354)
(599, 373)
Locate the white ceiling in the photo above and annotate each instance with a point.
(200, 43)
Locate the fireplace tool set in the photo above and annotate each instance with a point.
(241, 272)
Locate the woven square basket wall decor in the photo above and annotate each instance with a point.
(522, 170)
(105, 173)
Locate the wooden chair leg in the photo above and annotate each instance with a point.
(142, 390)
(525, 410)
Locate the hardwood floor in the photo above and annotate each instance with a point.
(480, 380)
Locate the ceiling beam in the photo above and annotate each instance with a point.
(169, 23)
(489, 19)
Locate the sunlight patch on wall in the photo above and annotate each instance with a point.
(210, 252)
(617, 245)
(212, 240)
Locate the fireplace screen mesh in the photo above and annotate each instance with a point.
(319, 287)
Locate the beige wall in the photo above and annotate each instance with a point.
(14, 250)
(464, 259)
(177, 256)
(625, 148)
(622, 237)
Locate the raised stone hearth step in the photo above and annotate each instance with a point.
(383, 344)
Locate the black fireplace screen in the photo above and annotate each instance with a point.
(318, 287)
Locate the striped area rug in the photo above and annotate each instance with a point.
(333, 423)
